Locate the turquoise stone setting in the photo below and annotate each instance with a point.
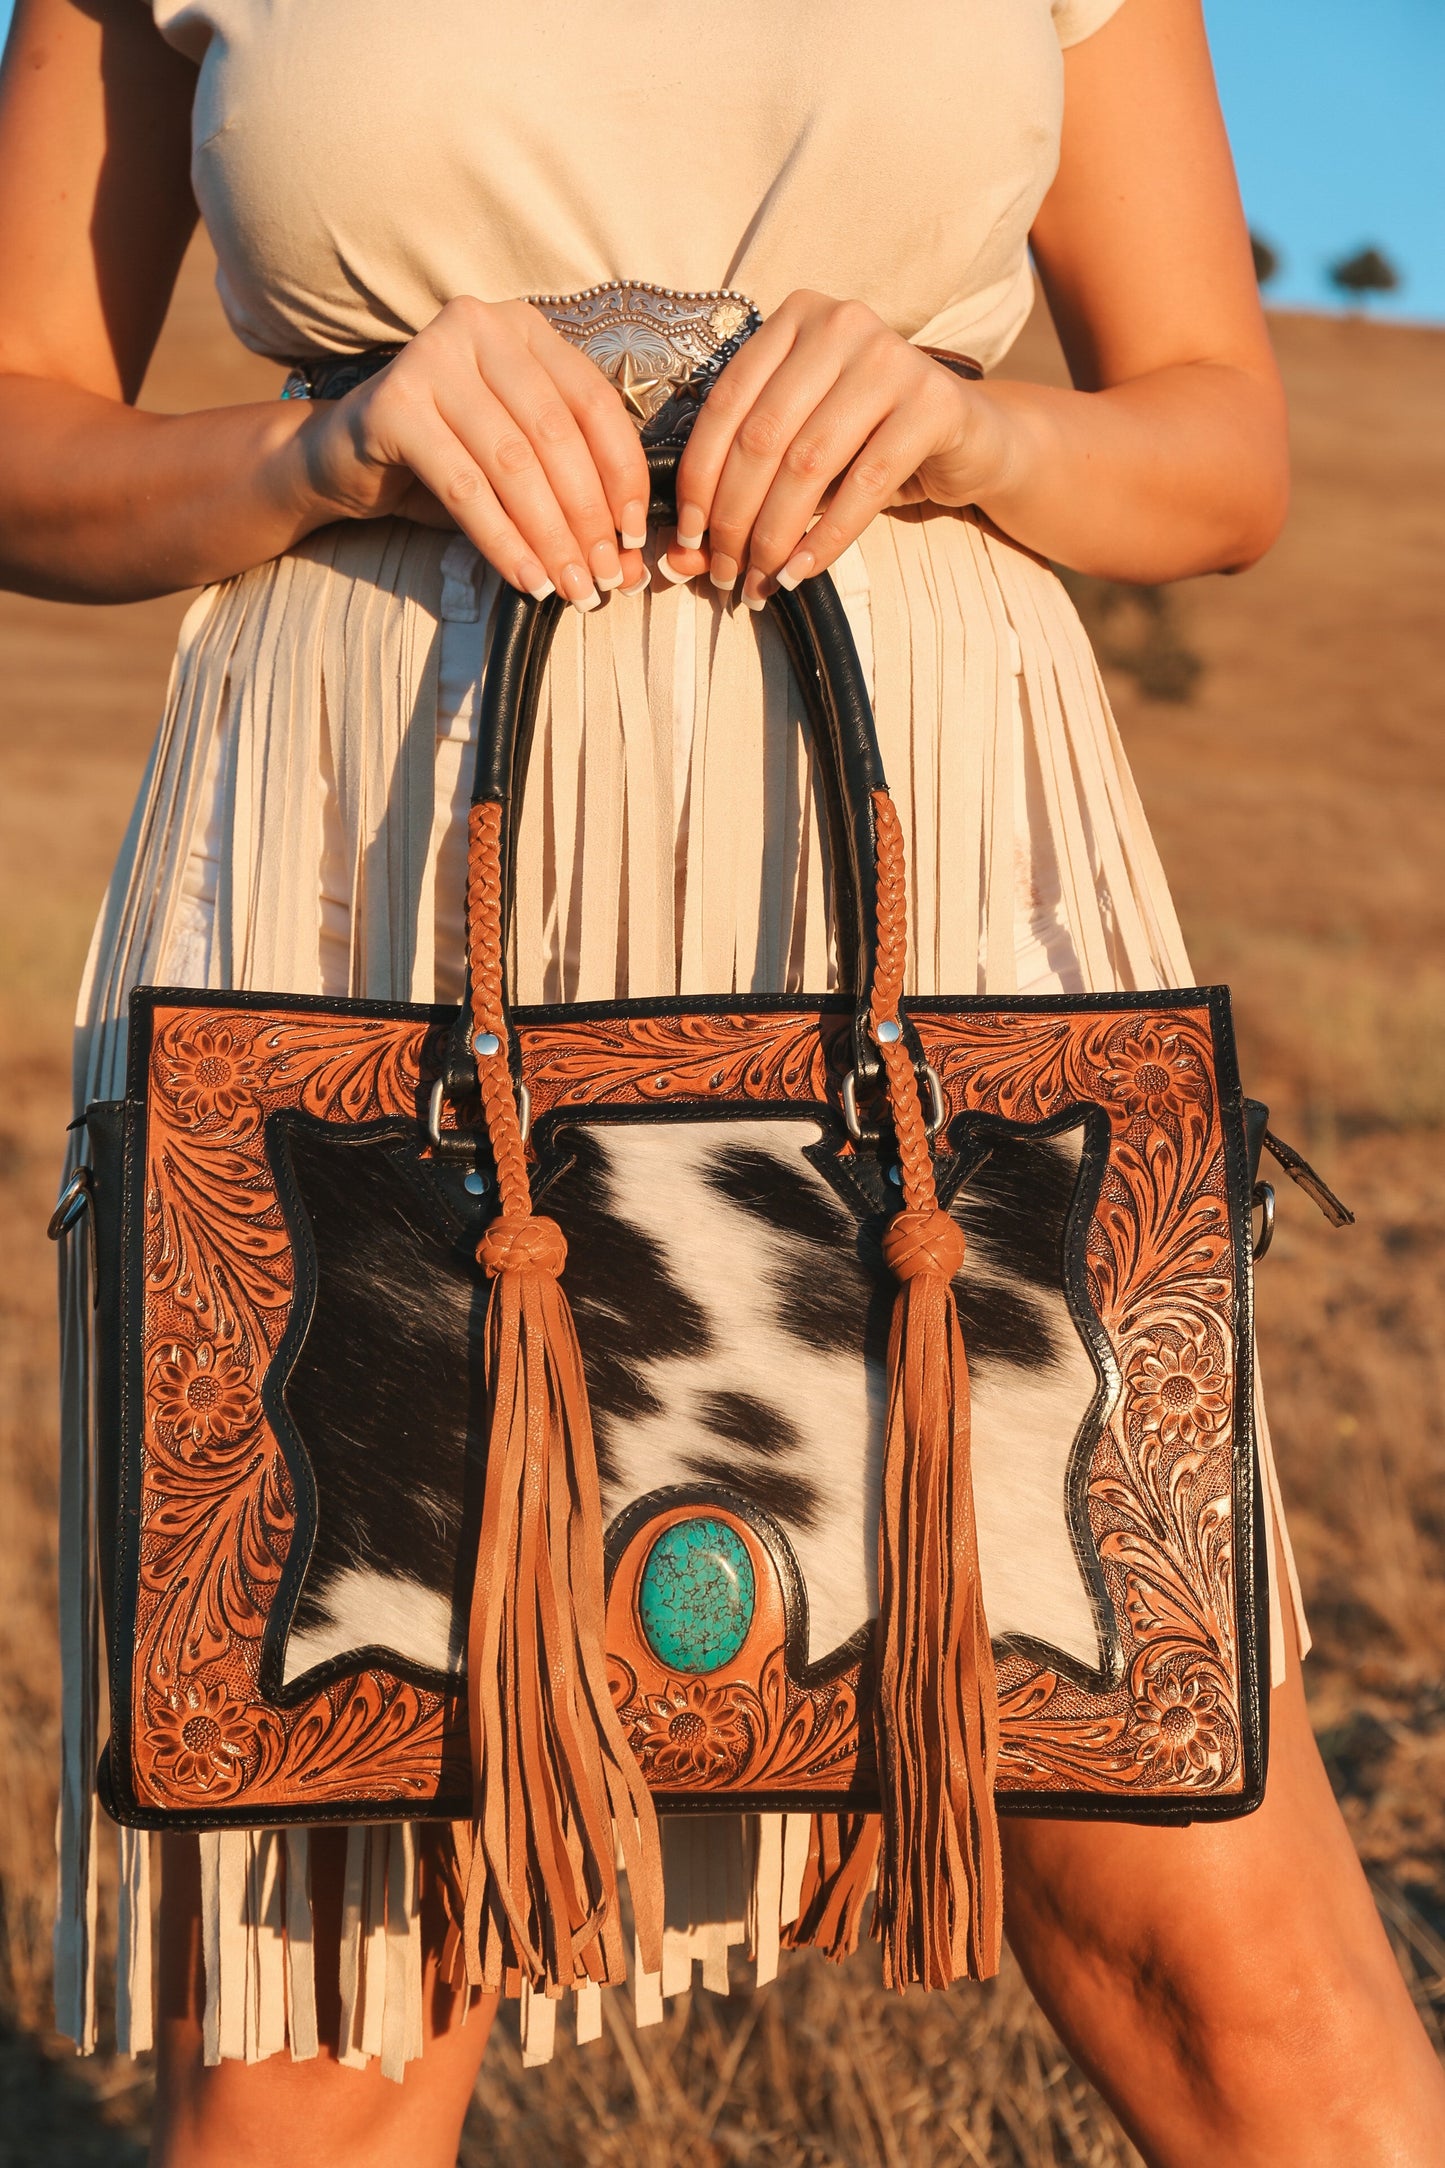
(696, 1595)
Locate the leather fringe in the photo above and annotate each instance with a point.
(841, 1870)
(939, 1910)
(554, 1776)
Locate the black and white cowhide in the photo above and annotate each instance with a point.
(733, 1313)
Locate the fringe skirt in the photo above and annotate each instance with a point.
(301, 827)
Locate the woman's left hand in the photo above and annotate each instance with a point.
(825, 415)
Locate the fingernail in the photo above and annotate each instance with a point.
(689, 527)
(723, 573)
(584, 603)
(542, 591)
(638, 585)
(576, 585)
(532, 576)
(755, 602)
(796, 570)
(604, 566)
(634, 527)
(670, 572)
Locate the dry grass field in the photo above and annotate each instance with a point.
(1299, 797)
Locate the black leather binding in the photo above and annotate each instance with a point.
(819, 641)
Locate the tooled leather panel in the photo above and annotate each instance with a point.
(1169, 1501)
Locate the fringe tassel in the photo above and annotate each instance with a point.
(841, 1870)
(939, 1912)
(940, 1892)
(556, 1784)
(134, 1983)
(258, 1943)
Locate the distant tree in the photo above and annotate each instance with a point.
(1368, 271)
(1266, 258)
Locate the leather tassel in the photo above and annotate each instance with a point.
(939, 1909)
(842, 1859)
(553, 1771)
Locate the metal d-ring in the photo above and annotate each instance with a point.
(437, 1100)
(1263, 1196)
(933, 1122)
(939, 1114)
(849, 1095)
(71, 1205)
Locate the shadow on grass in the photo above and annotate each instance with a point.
(50, 2117)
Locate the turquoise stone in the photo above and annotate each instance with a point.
(696, 1596)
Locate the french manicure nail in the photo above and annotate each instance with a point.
(755, 602)
(634, 526)
(634, 538)
(796, 570)
(689, 528)
(638, 585)
(727, 581)
(612, 579)
(541, 592)
(584, 603)
(669, 571)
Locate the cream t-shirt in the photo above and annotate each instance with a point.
(360, 162)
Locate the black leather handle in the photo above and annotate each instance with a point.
(819, 641)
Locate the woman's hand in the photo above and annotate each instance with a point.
(489, 420)
(825, 415)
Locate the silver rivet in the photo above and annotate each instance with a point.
(889, 1032)
(475, 1183)
(895, 1174)
(486, 1043)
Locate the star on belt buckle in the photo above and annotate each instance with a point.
(664, 350)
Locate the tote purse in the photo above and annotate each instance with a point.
(539, 1419)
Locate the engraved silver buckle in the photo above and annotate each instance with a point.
(664, 350)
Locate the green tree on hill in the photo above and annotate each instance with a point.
(1368, 271)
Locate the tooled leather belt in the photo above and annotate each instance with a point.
(664, 350)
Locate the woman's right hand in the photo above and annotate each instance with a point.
(489, 421)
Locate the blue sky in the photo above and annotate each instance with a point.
(1335, 108)
(1335, 111)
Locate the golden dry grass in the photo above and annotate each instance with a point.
(1298, 797)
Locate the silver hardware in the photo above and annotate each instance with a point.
(933, 1122)
(438, 1099)
(72, 1204)
(889, 1032)
(486, 1043)
(939, 1114)
(475, 1184)
(434, 1113)
(1264, 1197)
(851, 1122)
(654, 343)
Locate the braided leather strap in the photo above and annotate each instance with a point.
(939, 1909)
(557, 1786)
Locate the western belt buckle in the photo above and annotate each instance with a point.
(662, 349)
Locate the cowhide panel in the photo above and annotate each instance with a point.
(733, 1312)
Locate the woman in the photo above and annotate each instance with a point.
(871, 178)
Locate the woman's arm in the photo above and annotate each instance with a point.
(488, 420)
(1170, 458)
